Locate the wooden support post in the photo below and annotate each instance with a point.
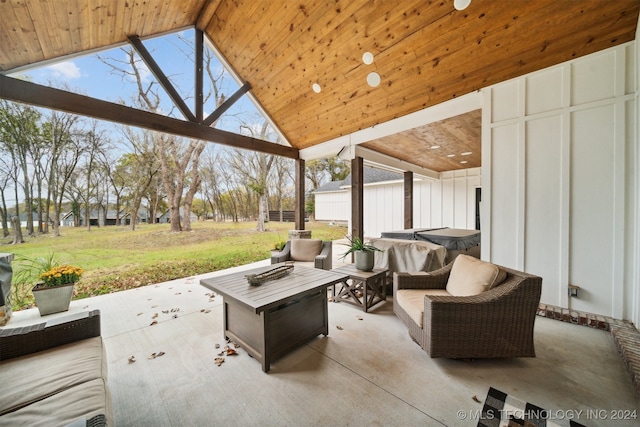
(357, 197)
(199, 76)
(408, 200)
(300, 196)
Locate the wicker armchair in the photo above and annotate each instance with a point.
(495, 323)
(314, 252)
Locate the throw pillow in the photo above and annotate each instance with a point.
(305, 249)
(471, 276)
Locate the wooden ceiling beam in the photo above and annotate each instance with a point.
(42, 96)
(226, 104)
(161, 77)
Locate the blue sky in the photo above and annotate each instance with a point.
(88, 75)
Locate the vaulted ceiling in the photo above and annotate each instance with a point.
(425, 53)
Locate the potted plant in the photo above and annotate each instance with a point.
(363, 252)
(53, 294)
(279, 246)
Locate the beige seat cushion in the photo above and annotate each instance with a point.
(412, 301)
(471, 276)
(81, 402)
(305, 249)
(29, 378)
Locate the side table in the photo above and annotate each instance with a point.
(362, 288)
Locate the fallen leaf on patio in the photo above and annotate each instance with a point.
(154, 306)
(339, 327)
(165, 311)
(330, 299)
(139, 314)
(155, 316)
(155, 322)
(359, 317)
(236, 345)
(152, 356)
(161, 354)
(175, 316)
(219, 360)
(132, 359)
(205, 311)
(86, 306)
(177, 293)
(475, 399)
(230, 351)
(221, 353)
(175, 310)
(217, 345)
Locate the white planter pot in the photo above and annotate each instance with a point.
(53, 300)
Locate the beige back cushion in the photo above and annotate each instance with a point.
(305, 249)
(471, 276)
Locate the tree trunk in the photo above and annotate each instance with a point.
(17, 231)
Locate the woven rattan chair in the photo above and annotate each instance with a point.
(495, 323)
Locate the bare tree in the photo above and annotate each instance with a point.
(8, 173)
(65, 149)
(255, 167)
(139, 169)
(19, 130)
(93, 147)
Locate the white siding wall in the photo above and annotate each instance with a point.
(560, 165)
(333, 206)
(448, 202)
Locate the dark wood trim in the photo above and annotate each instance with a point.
(357, 197)
(161, 77)
(199, 75)
(42, 96)
(300, 196)
(408, 199)
(226, 104)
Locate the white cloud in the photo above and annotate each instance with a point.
(67, 69)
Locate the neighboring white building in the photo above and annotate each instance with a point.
(446, 202)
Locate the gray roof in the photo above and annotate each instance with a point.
(371, 175)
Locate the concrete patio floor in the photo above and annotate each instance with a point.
(367, 372)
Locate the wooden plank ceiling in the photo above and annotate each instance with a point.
(425, 52)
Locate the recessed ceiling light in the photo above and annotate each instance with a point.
(464, 161)
(316, 87)
(373, 79)
(433, 147)
(367, 58)
(461, 4)
(451, 155)
(466, 153)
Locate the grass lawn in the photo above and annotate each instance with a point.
(116, 258)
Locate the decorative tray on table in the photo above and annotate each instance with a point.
(274, 273)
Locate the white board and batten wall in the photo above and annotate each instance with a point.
(560, 180)
(445, 202)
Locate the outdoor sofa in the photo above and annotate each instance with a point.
(469, 309)
(55, 373)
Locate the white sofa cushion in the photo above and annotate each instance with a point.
(305, 249)
(412, 301)
(471, 276)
